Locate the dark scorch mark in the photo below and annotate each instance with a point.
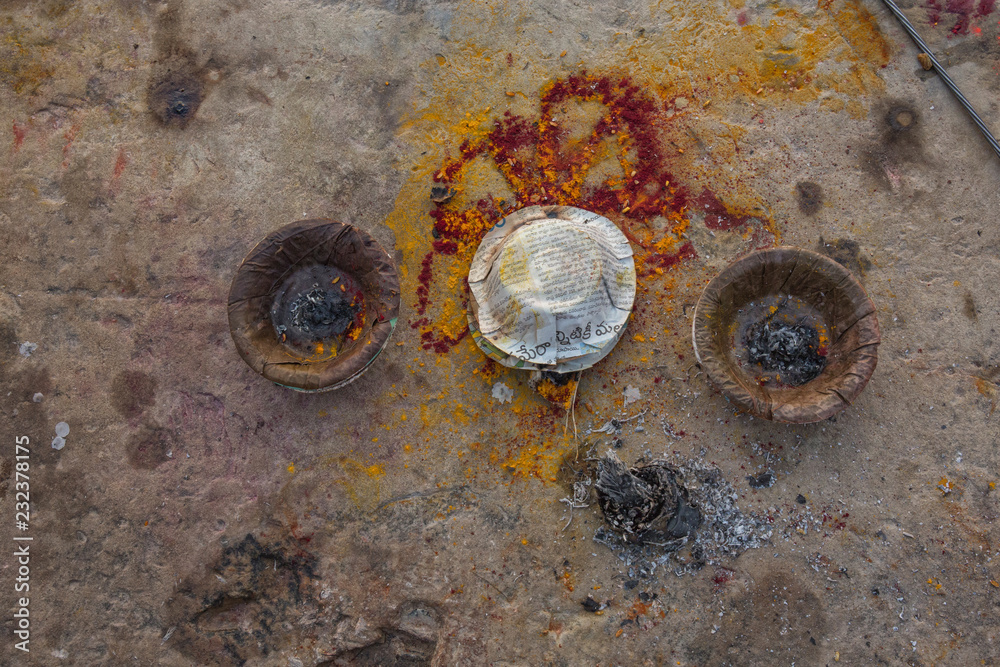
(175, 99)
(809, 196)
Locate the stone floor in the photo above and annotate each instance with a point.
(200, 515)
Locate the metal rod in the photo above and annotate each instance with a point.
(908, 27)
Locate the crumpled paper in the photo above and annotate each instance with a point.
(552, 289)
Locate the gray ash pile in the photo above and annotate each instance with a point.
(684, 511)
(790, 350)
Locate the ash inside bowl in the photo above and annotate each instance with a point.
(789, 350)
(321, 312)
(317, 310)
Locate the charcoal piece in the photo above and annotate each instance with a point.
(765, 480)
(558, 379)
(441, 194)
(628, 502)
(704, 527)
(685, 521)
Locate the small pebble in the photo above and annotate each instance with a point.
(62, 429)
(58, 443)
(37, 398)
(27, 348)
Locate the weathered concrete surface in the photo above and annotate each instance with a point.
(199, 515)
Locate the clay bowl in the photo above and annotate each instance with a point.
(313, 305)
(806, 297)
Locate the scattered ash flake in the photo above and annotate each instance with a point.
(614, 426)
(27, 348)
(669, 430)
(503, 393)
(581, 495)
(580, 499)
(723, 532)
(800, 522)
(631, 395)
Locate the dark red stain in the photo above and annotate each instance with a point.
(20, 131)
(426, 273)
(716, 215)
(965, 12)
(534, 156)
(441, 343)
(665, 261)
(741, 18)
(69, 135)
(835, 522)
(296, 531)
(723, 575)
(120, 163)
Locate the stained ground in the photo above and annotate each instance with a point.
(200, 515)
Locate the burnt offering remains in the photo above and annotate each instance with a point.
(680, 511)
(313, 304)
(321, 312)
(317, 310)
(647, 504)
(789, 350)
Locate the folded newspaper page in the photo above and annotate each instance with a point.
(552, 289)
